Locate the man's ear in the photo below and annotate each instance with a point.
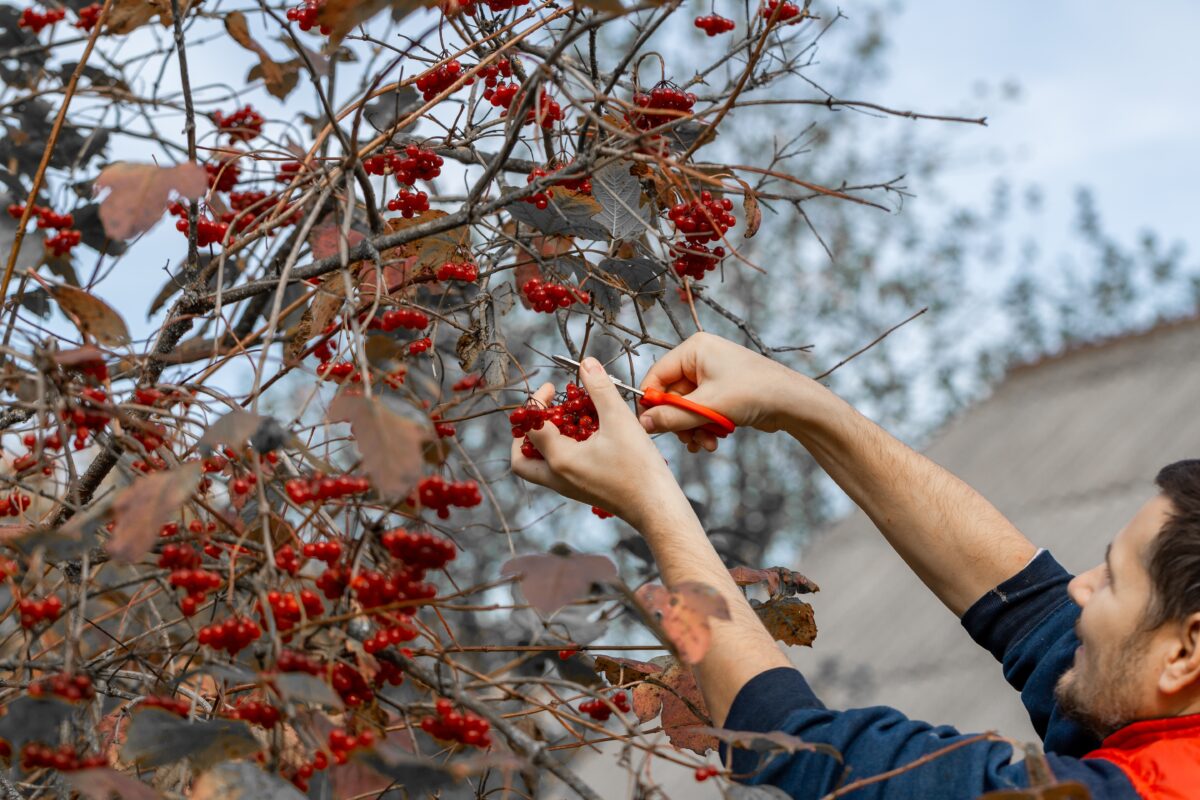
(1182, 669)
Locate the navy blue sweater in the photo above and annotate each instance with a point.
(1027, 623)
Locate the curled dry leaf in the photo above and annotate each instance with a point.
(390, 445)
(550, 581)
(343, 16)
(750, 209)
(139, 193)
(674, 694)
(684, 615)
(620, 671)
(781, 581)
(279, 79)
(790, 620)
(142, 508)
(91, 315)
(430, 252)
(770, 742)
(127, 15)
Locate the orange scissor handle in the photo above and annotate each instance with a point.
(718, 424)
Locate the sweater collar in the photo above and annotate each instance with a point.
(1143, 732)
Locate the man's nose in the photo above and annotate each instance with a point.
(1081, 586)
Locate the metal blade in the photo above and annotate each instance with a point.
(571, 364)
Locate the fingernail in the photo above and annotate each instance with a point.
(591, 365)
(648, 423)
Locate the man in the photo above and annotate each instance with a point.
(1107, 662)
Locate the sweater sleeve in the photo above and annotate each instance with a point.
(874, 741)
(1028, 624)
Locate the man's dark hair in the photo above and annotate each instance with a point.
(1173, 559)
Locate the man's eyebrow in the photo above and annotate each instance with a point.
(1108, 563)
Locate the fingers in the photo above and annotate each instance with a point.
(661, 419)
(676, 365)
(605, 397)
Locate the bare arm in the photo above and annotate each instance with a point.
(957, 542)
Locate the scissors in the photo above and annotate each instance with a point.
(718, 424)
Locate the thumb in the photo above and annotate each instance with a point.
(664, 418)
(603, 391)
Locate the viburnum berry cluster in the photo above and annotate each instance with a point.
(257, 712)
(432, 83)
(662, 104)
(463, 727)
(242, 125)
(419, 346)
(573, 413)
(788, 12)
(14, 503)
(715, 24)
(492, 73)
(232, 635)
(409, 203)
(329, 552)
(286, 609)
(320, 488)
(396, 318)
(36, 20)
(600, 711)
(436, 493)
(60, 243)
(704, 220)
(695, 260)
(89, 15)
(34, 612)
(305, 15)
(175, 705)
(501, 95)
(341, 743)
(421, 550)
(545, 112)
(548, 296)
(208, 231)
(415, 164)
(64, 758)
(458, 271)
(72, 688)
(223, 174)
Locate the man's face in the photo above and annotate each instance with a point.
(1114, 676)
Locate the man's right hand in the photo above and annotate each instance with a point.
(742, 385)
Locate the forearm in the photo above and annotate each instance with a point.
(957, 542)
(741, 647)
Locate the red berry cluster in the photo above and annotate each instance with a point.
(407, 318)
(341, 743)
(174, 705)
(695, 260)
(467, 383)
(419, 346)
(177, 556)
(323, 487)
(568, 654)
(339, 371)
(600, 711)
(438, 79)
(675, 102)
(333, 582)
(243, 484)
(374, 589)
(61, 242)
(351, 686)
(208, 231)
(292, 661)
(257, 712)
(416, 164)
(288, 171)
(69, 687)
(231, 635)
(436, 493)
(329, 552)
(409, 203)
(197, 583)
(242, 125)
(497, 6)
(715, 24)
(286, 560)
(453, 726)
(492, 74)
(545, 113)
(787, 13)
(394, 634)
(223, 175)
(36, 20)
(458, 271)
(548, 296)
(420, 550)
(305, 771)
(15, 503)
(704, 773)
(574, 415)
(501, 95)
(286, 608)
(34, 611)
(305, 15)
(444, 430)
(539, 199)
(89, 16)
(703, 220)
(36, 755)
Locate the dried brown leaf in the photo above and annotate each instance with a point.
(750, 209)
(127, 15)
(105, 783)
(91, 315)
(550, 581)
(684, 614)
(343, 16)
(242, 780)
(390, 445)
(139, 193)
(431, 251)
(231, 430)
(781, 581)
(790, 620)
(620, 671)
(142, 508)
(684, 715)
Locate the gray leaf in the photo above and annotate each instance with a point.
(157, 737)
(619, 194)
(391, 108)
(241, 780)
(32, 720)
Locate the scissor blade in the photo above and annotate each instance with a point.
(571, 364)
